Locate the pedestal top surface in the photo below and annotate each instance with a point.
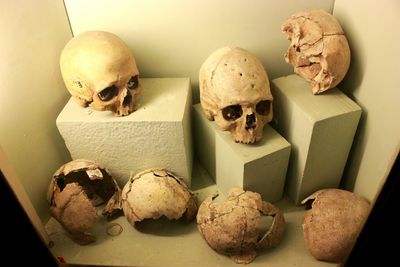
(162, 99)
(328, 104)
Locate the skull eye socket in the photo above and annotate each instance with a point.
(133, 82)
(232, 112)
(108, 93)
(263, 107)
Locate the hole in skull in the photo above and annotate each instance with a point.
(263, 107)
(308, 204)
(232, 112)
(251, 121)
(108, 93)
(241, 74)
(103, 188)
(127, 100)
(133, 82)
(297, 49)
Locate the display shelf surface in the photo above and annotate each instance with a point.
(177, 243)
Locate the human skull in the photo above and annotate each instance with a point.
(318, 49)
(75, 190)
(99, 70)
(235, 92)
(233, 227)
(333, 223)
(157, 192)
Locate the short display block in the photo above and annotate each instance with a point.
(259, 167)
(158, 134)
(320, 129)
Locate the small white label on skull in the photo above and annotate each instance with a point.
(94, 174)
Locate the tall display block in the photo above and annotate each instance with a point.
(157, 134)
(259, 167)
(320, 128)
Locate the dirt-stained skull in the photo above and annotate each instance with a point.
(333, 223)
(75, 190)
(318, 49)
(233, 227)
(235, 92)
(99, 70)
(157, 192)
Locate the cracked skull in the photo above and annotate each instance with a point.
(233, 227)
(333, 223)
(318, 49)
(157, 192)
(100, 71)
(235, 92)
(75, 190)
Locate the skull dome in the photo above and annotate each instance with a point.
(76, 189)
(99, 71)
(234, 227)
(235, 92)
(318, 49)
(332, 225)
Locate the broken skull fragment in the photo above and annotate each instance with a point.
(75, 190)
(318, 51)
(333, 223)
(99, 71)
(233, 227)
(157, 192)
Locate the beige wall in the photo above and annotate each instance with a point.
(31, 91)
(372, 30)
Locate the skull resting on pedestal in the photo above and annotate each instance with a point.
(75, 191)
(318, 49)
(99, 70)
(235, 92)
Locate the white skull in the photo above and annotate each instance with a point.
(99, 70)
(318, 49)
(235, 92)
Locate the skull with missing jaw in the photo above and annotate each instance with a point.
(235, 92)
(100, 71)
(318, 49)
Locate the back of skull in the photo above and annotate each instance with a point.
(235, 92)
(99, 70)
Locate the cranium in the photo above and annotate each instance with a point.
(235, 92)
(333, 223)
(75, 190)
(99, 70)
(318, 49)
(157, 192)
(233, 227)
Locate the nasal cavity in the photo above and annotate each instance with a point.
(250, 121)
(127, 100)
